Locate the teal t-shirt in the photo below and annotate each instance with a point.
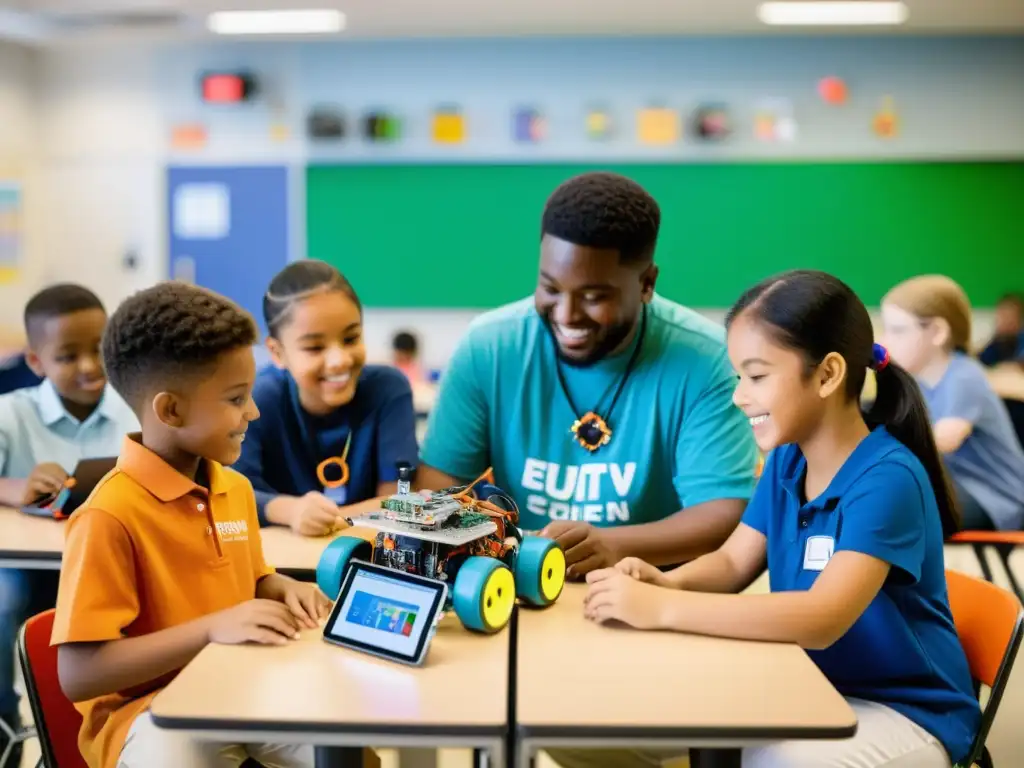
(677, 438)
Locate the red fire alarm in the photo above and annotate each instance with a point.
(226, 87)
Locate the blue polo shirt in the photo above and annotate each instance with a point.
(903, 651)
(36, 428)
(285, 444)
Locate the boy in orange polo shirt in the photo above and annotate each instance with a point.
(165, 556)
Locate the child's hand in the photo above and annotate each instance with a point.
(45, 480)
(305, 601)
(640, 570)
(612, 595)
(315, 515)
(255, 621)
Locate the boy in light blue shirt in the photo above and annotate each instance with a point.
(605, 410)
(44, 432)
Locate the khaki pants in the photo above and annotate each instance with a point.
(150, 747)
(884, 739)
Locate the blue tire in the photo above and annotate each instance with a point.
(330, 571)
(540, 571)
(483, 595)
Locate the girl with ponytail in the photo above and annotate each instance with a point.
(849, 517)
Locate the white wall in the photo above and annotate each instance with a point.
(104, 117)
(19, 164)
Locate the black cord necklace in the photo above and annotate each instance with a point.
(591, 430)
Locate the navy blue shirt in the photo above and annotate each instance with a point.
(285, 444)
(903, 651)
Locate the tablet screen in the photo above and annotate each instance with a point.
(385, 611)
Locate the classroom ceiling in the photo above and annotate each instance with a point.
(67, 21)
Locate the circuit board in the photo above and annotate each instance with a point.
(472, 527)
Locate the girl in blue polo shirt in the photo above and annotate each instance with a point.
(849, 516)
(332, 430)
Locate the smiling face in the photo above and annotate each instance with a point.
(589, 299)
(66, 350)
(783, 399)
(321, 346)
(211, 419)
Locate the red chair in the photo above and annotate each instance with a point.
(990, 624)
(1003, 542)
(57, 721)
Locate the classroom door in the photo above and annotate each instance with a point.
(229, 229)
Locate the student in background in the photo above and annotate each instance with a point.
(333, 430)
(927, 324)
(849, 517)
(1007, 344)
(45, 430)
(405, 356)
(140, 594)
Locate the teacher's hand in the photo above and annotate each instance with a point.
(586, 548)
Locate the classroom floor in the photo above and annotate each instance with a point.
(1005, 742)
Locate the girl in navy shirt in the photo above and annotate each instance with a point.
(849, 517)
(332, 430)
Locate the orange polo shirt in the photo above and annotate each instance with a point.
(150, 550)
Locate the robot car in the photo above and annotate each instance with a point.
(466, 536)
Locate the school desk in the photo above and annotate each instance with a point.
(1008, 381)
(316, 693)
(29, 542)
(37, 542)
(586, 685)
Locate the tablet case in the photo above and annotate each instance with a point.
(82, 481)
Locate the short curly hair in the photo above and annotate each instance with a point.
(170, 331)
(604, 210)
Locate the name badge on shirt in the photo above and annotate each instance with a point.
(818, 552)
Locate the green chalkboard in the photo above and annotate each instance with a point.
(466, 235)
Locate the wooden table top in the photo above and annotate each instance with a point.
(1008, 381)
(28, 538)
(312, 686)
(580, 679)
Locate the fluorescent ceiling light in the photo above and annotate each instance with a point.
(276, 22)
(827, 13)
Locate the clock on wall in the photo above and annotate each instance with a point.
(226, 87)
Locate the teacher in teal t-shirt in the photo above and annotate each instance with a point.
(604, 409)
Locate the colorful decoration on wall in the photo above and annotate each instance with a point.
(448, 125)
(832, 90)
(188, 137)
(325, 124)
(886, 123)
(11, 231)
(774, 121)
(711, 122)
(380, 127)
(599, 124)
(528, 126)
(658, 126)
(279, 132)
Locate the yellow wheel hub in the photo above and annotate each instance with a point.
(499, 595)
(552, 574)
